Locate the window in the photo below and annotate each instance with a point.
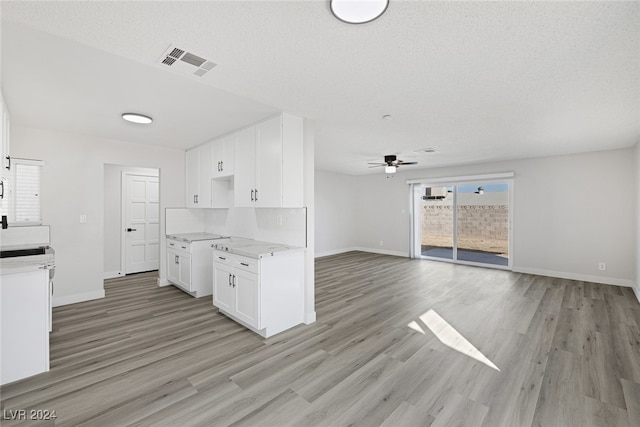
(21, 203)
(465, 219)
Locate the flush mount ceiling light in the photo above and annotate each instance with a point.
(390, 169)
(358, 11)
(137, 118)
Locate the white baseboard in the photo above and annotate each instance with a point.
(382, 251)
(112, 274)
(334, 252)
(309, 318)
(637, 292)
(576, 276)
(362, 249)
(163, 282)
(75, 298)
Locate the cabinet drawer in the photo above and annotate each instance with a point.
(179, 245)
(246, 264)
(222, 257)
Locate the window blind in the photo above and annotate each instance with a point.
(22, 204)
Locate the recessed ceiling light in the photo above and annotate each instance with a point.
(425, 150)
(358, 11)
(137, 118)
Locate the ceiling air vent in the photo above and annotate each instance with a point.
(184, 61)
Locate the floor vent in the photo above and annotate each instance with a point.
(187, 62)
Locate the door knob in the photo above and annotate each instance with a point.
(129, 230)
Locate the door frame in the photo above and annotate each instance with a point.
(417, 184)
(123, 233)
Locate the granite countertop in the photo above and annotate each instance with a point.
(193, 237)
(254, 248)
(26, 264)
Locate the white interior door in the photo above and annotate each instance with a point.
(141, 223)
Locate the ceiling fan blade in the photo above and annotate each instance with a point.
(407, 163)
(378, 165)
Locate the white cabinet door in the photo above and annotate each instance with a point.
(192, 166)
(185, 270)
(245, 168)
(223, 156)
(204, 176)
(247, 306)
(268, 188)
(223, 293)
(173, 266)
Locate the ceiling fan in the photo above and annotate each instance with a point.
(391, 163)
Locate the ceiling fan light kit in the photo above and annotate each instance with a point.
(391, 163)
(358, 11)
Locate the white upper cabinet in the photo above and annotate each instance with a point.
(258, 166)
(245, 168)
(269, 164)
(198, 166)
(223, 151)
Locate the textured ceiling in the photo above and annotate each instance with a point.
(478, 81)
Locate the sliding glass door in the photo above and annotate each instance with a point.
(466, 223)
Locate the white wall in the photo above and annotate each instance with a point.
(637, 288)
(570, 212)
(73, 184)
(113, 216)
(335, 213)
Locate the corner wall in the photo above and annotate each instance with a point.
(73, 184)
(335, 219)
(637, 263)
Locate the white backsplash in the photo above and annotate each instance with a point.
(284, 226)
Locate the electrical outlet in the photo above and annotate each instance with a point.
(279, 219)
(83, 218)
(602, 266)
(381, 243)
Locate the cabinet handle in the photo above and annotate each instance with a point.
(221, 166)
(172, 244)
(256, 195)
(234, 280)
(222, 258)
(9, 163)
(2, 194)
(177, 259)
(229, 279)
(183, 247)
(218, 166)
(245, 264)
(252, 195)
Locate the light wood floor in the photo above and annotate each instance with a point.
(520, 350)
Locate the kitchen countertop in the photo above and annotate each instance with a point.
(254, 248)
(26, 264)
(194, 237)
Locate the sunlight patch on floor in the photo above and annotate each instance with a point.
(449, 337)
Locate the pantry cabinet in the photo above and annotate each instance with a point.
(265, 295)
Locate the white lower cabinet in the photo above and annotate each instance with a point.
(24, 325)
(189, 266)
(266, 295)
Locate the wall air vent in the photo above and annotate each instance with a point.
(184, 61)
